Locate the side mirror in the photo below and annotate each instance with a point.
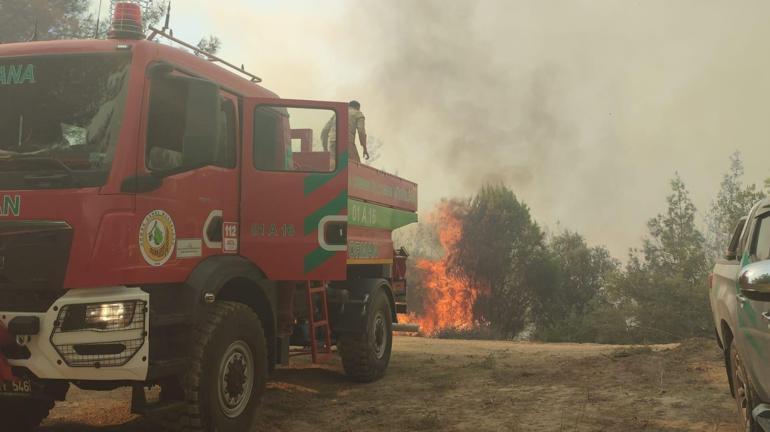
(202, 122)
(754, 280)
(160, 70)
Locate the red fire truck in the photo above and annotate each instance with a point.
(163, 218)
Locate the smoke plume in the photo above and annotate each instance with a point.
(586, 109)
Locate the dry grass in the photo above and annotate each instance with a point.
(480, 386)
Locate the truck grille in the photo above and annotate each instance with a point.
(33, 262)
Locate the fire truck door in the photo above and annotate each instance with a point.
(190, 134)
(294, 193)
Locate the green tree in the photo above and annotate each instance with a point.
(20, 20)
(733, 201)
(210, 44)
(53, 19)
(665, 282)
(581, 277)
(675, 245)
(502, 250)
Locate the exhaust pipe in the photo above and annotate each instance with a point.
(408, 328)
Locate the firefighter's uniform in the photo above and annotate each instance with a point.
(356, 123)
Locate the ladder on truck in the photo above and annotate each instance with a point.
(314, 324)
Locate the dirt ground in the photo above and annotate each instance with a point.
(451, 385)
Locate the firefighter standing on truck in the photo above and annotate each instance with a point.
(356, 122)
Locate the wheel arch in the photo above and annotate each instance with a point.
(234, 278)
(726, 335)
(726, 341)
(363, 289)
(357, 298)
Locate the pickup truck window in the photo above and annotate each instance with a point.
(732, 247)
(760, 245)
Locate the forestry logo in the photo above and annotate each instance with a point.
(157, 237)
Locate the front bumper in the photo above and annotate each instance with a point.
(47, 361)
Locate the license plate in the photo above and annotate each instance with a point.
(21, 387)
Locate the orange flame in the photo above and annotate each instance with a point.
(449, 296)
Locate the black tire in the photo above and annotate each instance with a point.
(743, 391)
(229, 338)
(24, 415)
(365, 355)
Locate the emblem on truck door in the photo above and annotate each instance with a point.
(157, 237)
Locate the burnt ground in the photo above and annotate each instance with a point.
(452, 385)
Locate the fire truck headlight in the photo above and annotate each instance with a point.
(109, 316)
(100, 316)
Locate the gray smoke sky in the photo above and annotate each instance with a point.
(585, 108)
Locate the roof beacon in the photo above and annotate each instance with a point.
(127, 21)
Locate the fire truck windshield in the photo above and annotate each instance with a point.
(60, 117)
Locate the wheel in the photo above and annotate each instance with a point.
(24, 414)
(745, 396)
(365, 355)
(223, 387)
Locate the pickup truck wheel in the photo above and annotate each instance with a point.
(365, 355)
(228, 373)
(745, 396)
(24, 415)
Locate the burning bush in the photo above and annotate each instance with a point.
(493, 255)
(448, 294)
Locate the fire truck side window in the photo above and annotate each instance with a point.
(226, 149)
(267, 139)
(294, 139)
(166, 125)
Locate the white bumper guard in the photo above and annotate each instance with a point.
(96, 334)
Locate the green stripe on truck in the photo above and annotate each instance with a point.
(370, 215)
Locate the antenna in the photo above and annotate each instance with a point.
(34, 34)
(168, 17)
(98, 20)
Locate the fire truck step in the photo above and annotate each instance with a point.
(165, 368)
(325, 347)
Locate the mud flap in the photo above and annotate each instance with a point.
(349, 304)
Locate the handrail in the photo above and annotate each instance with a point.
(211, 57)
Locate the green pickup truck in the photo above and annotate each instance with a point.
(740, 303)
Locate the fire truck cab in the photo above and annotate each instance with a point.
(160, 214)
